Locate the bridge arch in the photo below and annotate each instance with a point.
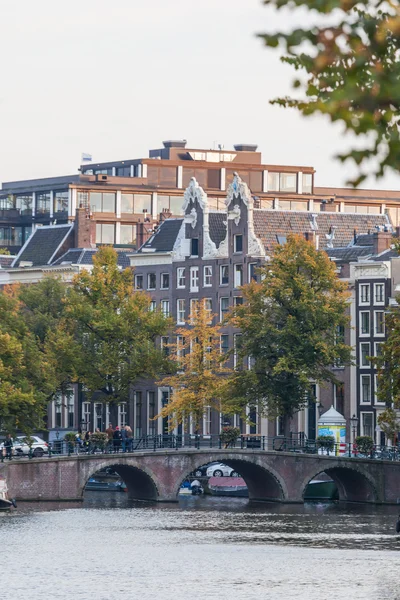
(263, 481)
(140, 482)
(353, 484)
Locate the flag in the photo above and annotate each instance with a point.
(86, 157)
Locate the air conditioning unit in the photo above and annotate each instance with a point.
(101, 177)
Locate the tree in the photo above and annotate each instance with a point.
(352, 69)
(389, 422)
(199, 369)
(289, 324)
(114, 329)
(388, 367)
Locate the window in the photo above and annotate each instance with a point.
(61, 201)
(138, 282)
(237, 300)
(180, 277)
(379, 322)
(364, 353)
(378, 349)
(127, 203)
(238, 243)
(364, 293)
(288, 182)
(98, 416)
(58, 405)
(365, 389)
(71, 408)
(180, 347)
(86, 416)
(379, 293)
(273, 182)
(24, 203)
(151, 398)
(43, 203)
(193, 308)
(165, 307)
(238, 275)
(153, 306)
(138, 414)
(280, 429)
(102, 202)
(194, 247)
(180, 312)
(365, 323)
(194, 279)
(208, 276)
(128, 235)
(105, 233)
(367, 421)
(236, 346)
(207, 421)
(224, 307)
(307, 183)
(208, 307)
(142, 203)
(165, 345)
(123, 171)
(224, 275)
(224, 343)
(151, 281)
(164, 281)
(252, 272)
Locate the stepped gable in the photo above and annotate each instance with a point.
(164, 238)
(217, 227)
(268, 224)
(45, 245)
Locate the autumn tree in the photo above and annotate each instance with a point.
(199, 369)
(348, 68)
(388, 369)
(289, 324)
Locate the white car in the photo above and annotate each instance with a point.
(221, 470)
(21, 448)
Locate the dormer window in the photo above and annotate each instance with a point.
(194, 247)
(238, 243)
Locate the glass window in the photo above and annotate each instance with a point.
(208, 276)
(142, 203)
(224, 275)
(364, 293)
(95, 201)
(138, 282)
(378, 348)
(165, 345)
(122, 412)
(98, 414)
(138, 415)
(165, 307)
(207, 421)
(58, 412)
(364, 353)
(273, 182)
(307, 183)
(105, 233)
(86, 414)
(365, 323)
(24, 203)
(236, 346)
(238, 243)
(379, 322)
(194, 279)
(175, 205)
(193, 307)
(83, 199)
(237, 300)
(151, 397)
(208, 306)
(180, 311)
(123, 172)
(379, 293)
(71, 408)
(7, 202)
(288, 182)
(224, 343)
(367, 424)
(151, 281)
(194, 247)
(153, 306)
(43, 203)
(252, 272)
(108, 202)
(224, 307)
(181, 278)
(365, 388)
(128, 235)
(164, 281)
(61, 201)
(238, 275)
(127, 203)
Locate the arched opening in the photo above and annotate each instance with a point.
(237, 478)
(352, 485)
(123, 478)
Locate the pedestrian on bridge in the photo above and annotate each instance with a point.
(117, 439)
(8, 445)
(110, 435)
(129, 438)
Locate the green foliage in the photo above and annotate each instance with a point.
(289, 325)
(229, 434)
(364, 444)
(389, 422)
(348, 68)
(388, 363)
(326, 441)
(70, 436)
(4, 252)
(99, 439)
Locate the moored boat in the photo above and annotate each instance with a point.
(228, 486)
(105, 486)
(5, 502)
(321, 490)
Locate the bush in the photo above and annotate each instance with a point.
(70, 436)
(229, 435)
(364, 444)
(326, 441)
(99, 439)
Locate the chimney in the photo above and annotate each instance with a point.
(85, 229)
(246, 147)
(328, 205)
(382, 241)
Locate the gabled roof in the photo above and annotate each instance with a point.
(349, 254)
(44, 245)
(164, 238)
(84, 256)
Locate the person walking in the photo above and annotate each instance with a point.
(110, 435)
(123, 438)
(117, 437)
(129, 438)
(8, 445)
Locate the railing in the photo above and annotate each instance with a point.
(178, 443)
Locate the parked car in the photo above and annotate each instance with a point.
(220, 470)
(21, 448)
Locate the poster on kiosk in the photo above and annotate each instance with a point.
(334, 424)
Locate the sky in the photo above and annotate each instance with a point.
(115, 79)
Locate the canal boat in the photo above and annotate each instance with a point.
(105, 486)
(5, 502)
(321, 490)
(228, 486)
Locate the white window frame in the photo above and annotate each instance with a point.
(207, 275)
(87, 415)
(376, 400)
(376, 346)
(208, 307)
(369, 318)
(376, 334)
(235, 237)
(207, 421)
(250, 278)
(165, 308)
(148, 281)
(152, 306)
(362, 430)
(180, 278)
(223, 313)
(98, 416)
(238, 271)
(194, 279)
(122, 413)
(161, 281)
(362, 401)
(368, 365)
(180, 311)
(379, 302)
(193, 302)
(366, 287)
(136, 285)
(220, 274)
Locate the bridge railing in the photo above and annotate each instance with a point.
(251, 442)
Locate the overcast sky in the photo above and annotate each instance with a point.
(114, 79)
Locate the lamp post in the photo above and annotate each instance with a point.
(353, 424)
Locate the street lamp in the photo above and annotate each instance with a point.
(354, 423)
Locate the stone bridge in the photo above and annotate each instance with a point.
(157, 476)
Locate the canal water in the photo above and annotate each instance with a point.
(111, 547)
